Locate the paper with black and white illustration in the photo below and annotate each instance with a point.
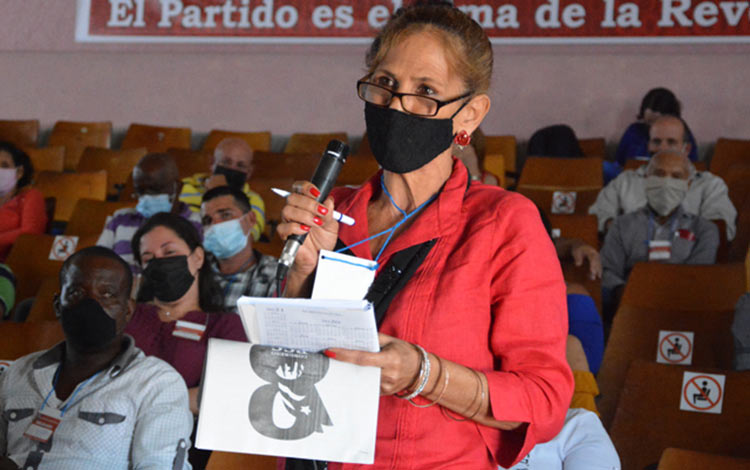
(286, 402)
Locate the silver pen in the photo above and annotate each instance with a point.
(338, 216)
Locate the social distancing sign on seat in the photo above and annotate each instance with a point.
(62, 247)
(675, 347)
(702, 393)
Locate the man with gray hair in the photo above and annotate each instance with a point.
(661, 230)
(231, 165)
(707, 195)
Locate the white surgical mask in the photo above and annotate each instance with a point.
(8, 179)
(225, 239)
(664, 194)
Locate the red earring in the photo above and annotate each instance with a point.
(462, 139)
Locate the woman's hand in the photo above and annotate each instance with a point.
(398, 360)
(302, 215)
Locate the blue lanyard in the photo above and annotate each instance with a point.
(72, 397)
(652, 228)
(392, 230)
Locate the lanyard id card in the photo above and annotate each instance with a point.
(659, 250)
(341, 276)
(189, 330)
(44, 425)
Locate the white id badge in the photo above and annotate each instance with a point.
(341, 276)
(659, 250)
(189, 330)
(44, 425)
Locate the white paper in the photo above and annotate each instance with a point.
(702, 393)
(340, 276)
(309, 325)
(330, 415)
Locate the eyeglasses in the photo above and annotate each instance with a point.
(419, 105)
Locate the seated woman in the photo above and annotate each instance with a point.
(184, 304)
(21, 207)
(472, 155)
(634, 142)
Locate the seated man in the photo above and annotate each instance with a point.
(232, 165)
(156, 184)
(94, 400)
(741, 333)
(707, 195)
(661, 230)
(237, 267)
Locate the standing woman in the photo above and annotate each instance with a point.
(473, 329)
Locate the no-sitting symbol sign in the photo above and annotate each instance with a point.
(675, 347)
(703, 393)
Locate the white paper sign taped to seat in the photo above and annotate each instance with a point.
(340, 276)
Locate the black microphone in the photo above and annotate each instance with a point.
(324, 179)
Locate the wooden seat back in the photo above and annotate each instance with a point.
(156, 138)
(68, 188)
(89, 216)
(681, 459)
(190, 162)
(258, 141)
(233, 461)
(504, 145)
(42, 309)
(20, 339)
(47, 158)
(312, 143)
(649, 419)
(118, 164)
(727, 153)
(594, 147)
(685, 287)
(76, 136)
(21, 133)
(635, 336)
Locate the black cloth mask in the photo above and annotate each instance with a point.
(87, 326)
(402, 142)
(167, 279)
(235, 178)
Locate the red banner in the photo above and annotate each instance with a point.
(356, 21)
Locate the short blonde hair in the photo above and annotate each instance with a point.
(465, 42)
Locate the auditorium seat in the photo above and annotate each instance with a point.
(738, 249)
(68, 188)
(727, 153)
(258, 141)
(357, 170)
(684, 287)
(504, 145)
(76, 136)
(22, 133)
(232, 461)
(722, 253)
(300, 166)
(681, 459)
(649, 419)
(117, 163)
(190, 162)
(20, 339)
(30, 263)
(89, 215)
(594, 147)
(47, 158)
(542, 176)
(156, 138)
(364, 149)
(42, 309)
(495, 164)
(581, 226)
(312, 143)
(635, 336)
(273, 202)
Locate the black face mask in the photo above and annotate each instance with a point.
(87, 326)
(403, 142)
(235, 178)
(167, 279)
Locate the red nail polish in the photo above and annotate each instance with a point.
(314, 192)
(323, 210)
(317, 220)
(330, 354)
(305, 228)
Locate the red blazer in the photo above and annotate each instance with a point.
(25, 213)
(490, 295)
